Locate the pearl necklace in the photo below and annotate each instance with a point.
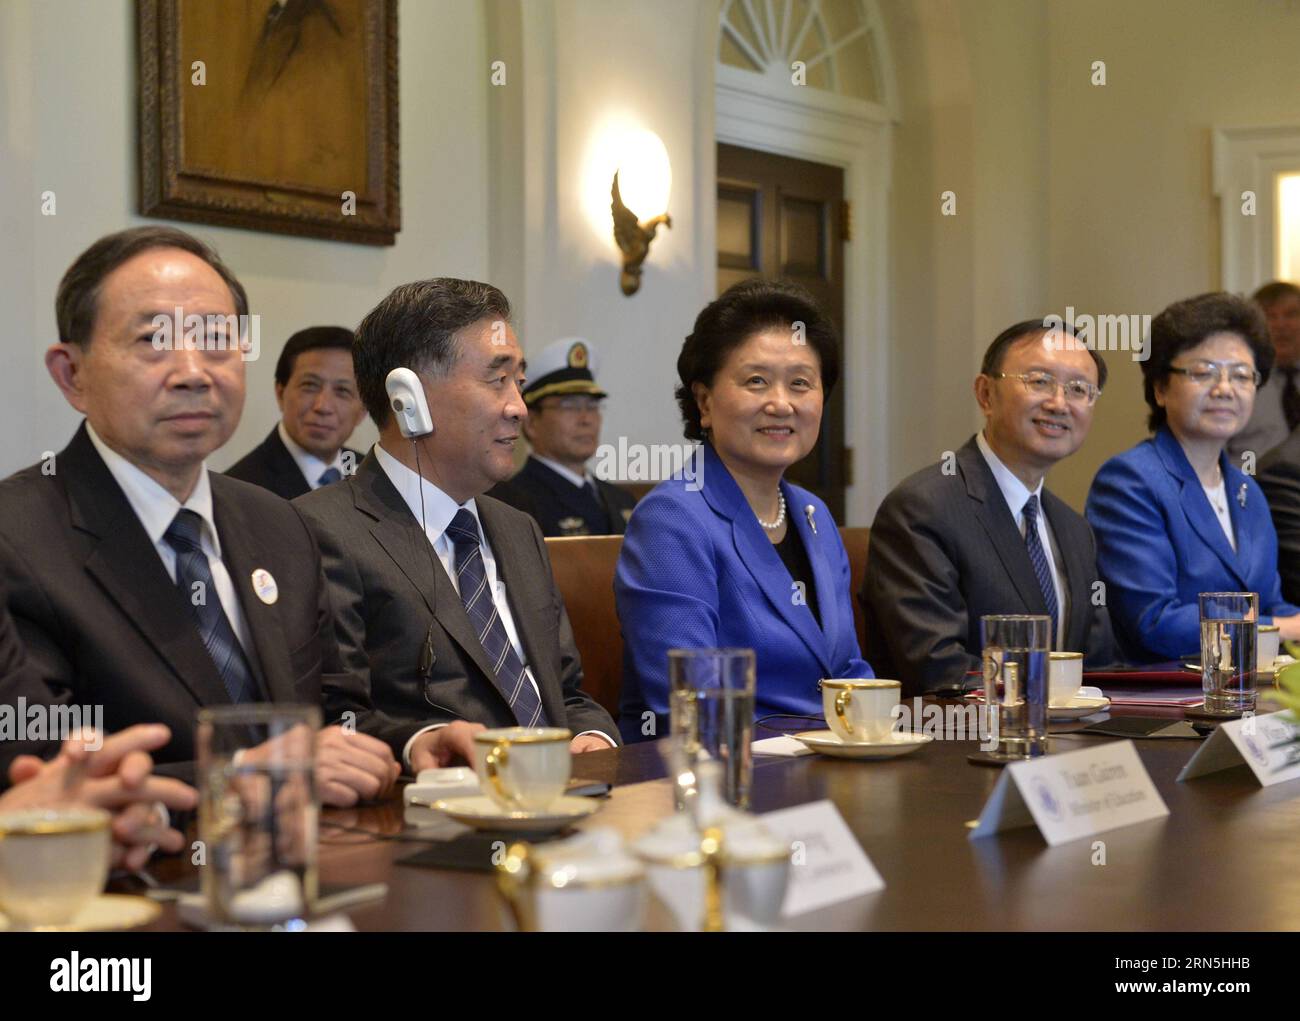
(780, 517)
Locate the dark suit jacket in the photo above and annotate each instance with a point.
(390, 593)
(560, 507)
(945, 551)
(103, 624)
(1279, 477)
(271, 466)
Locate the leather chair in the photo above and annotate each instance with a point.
(583, 566)
(584, 571)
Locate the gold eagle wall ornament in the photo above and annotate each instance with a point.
(633, 239)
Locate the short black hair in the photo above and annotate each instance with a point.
(1002, 343)
(741, 311)
(1186, 323)
(313, 338)
(1273, 292)
(77, 302)
(415, 327)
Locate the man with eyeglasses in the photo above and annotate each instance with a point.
(977, 533)
(563, 429)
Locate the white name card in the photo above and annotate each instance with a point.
(828, 864)
(1073, 795)
(1268, 744)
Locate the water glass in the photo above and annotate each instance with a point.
(1016, 657)
(1229, 634)
(711, 699)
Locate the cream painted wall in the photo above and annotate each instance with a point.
(1133, 224)
(588, 68)
(67, 124)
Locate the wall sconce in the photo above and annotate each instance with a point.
(646, 179)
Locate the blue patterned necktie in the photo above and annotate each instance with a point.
(214, 626)
(329, 475)
(509, 673)
(1038, 557)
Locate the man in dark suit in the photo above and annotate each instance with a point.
(563, 428)
(316, 390)
(978, 533)
(444, 600)
(139, 580)
(1279, 477)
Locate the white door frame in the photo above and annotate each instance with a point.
(856, 137)
(1251, 159)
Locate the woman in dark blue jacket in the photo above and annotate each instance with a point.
(728, 553)
(1173, 517)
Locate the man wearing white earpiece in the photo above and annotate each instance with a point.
(446, 611)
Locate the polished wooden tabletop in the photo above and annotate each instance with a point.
(1224, 858)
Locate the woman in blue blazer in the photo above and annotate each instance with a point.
(1173, 516)
(728, 553)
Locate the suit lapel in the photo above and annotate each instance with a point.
(1234, 487)
(1195, 505)
(760, 557)
(396, 530)
(528, 596)
(285, 467)
(244, 551)
(828, 595)
(1076, 570)
(999, 523)
(127, 567)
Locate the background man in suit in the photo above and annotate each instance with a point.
(978, 534)
(563, 428)
(445, 605)
(138, 580)
(1279, 477)
(316, 389)
(1277, 402)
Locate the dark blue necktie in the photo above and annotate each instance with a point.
(1038, 557)
(509, 673)
(329, 475)
(214, 626)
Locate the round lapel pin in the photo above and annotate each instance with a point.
(265, 587)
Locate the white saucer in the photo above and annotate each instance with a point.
(107, 911)
(1077, 708)
(827, 742)
(483, 813)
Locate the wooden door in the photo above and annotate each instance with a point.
(780, 217)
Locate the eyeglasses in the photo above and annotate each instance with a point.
(576, 403)
(1206, 373)
(1044, 384)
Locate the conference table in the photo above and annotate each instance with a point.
(1199, 868)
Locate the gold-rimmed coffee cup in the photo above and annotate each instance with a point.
(860, 710)
(523, 769)
(1064, 677)
(53, 862)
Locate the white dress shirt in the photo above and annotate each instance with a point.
(438, 511)
(156, 508)
(1218, 497)
(1016, 494)
(311, 466)
(565, 473)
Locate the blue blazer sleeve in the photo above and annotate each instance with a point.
(666, 594)
(1137, 562)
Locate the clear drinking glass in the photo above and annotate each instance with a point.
(711, 699)
(258, 810)
(1229, 633)
(1016, 665)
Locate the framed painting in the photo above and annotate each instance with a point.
(273, 115)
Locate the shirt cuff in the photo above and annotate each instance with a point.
(601, 734)
(406, 748)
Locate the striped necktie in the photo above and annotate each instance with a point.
(1038, 557)
(329, 475)
(510, 675)
(194, 579)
